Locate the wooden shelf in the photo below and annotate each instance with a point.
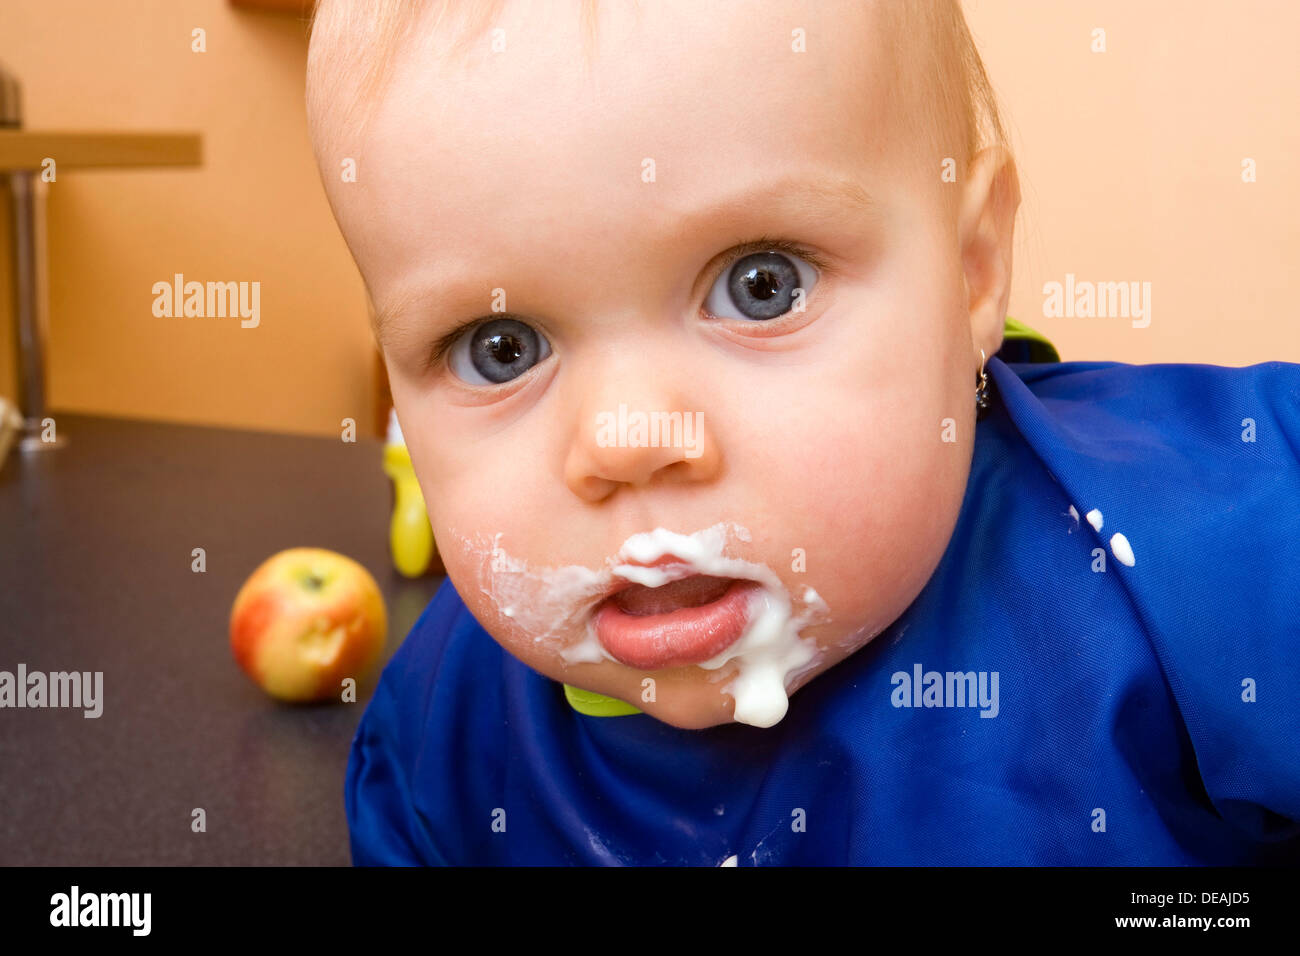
(27, 149)
(301, 7)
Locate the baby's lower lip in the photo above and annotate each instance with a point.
(686, 635)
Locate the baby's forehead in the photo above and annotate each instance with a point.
(631, 146)
(644, 54)
(439, 58)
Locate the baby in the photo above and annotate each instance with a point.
(690, 311)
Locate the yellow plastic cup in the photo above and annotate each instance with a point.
(410, 539)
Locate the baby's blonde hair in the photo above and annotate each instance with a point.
(354, 44)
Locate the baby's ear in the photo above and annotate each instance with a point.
(985, 229)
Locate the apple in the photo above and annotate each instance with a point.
(306, 619)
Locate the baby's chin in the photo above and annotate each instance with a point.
(689, 698)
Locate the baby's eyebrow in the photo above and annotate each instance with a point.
(801, 198)
(814, 197)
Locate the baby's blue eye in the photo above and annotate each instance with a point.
(760, 286)
(496, 351)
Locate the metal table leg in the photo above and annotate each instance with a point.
(28, 309)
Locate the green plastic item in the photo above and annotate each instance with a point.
(598, 705)
(1040, 349)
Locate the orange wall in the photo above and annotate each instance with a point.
(255, 211)
(1130, 163)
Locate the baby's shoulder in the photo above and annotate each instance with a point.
(1205, 404)
(1182, 448)
(1188, 475)
(1186, 480)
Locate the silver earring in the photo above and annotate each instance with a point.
(982, 389)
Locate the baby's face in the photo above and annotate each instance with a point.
(629, 234)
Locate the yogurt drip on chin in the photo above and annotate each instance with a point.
(550, 602)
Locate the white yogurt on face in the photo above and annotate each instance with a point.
(770, 648)
(549, 602)
(542, 601)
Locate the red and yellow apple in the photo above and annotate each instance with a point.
(306, 619)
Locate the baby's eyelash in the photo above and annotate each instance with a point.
(445, 342)
(767, 244)
(734, 255)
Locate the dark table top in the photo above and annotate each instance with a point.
(95, 575)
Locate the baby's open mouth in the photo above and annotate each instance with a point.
(685, 621)
(668, 600)
(693, 591)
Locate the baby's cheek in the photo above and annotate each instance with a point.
(468, 564)
(470, 568)
(875, 531)
(536, 613)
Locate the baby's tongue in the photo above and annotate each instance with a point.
(686, 592)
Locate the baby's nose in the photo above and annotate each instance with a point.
(632, 444)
